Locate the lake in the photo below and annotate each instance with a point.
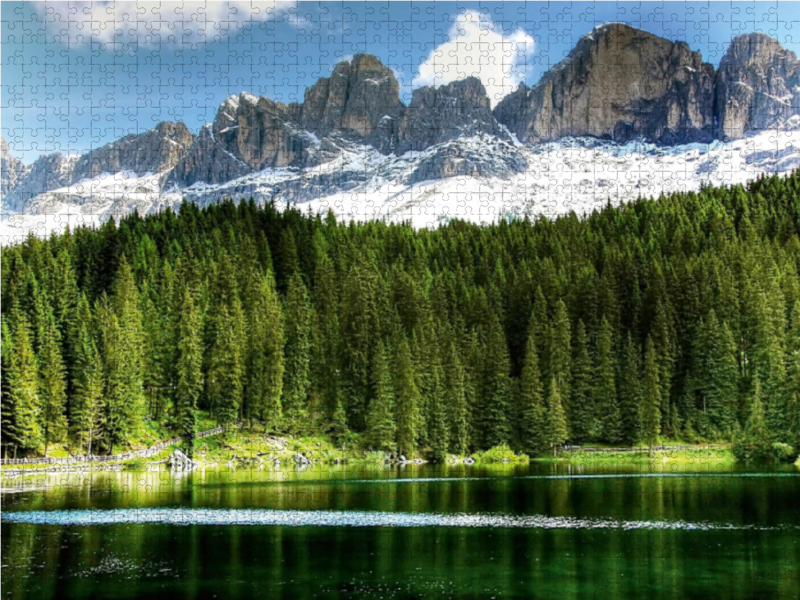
(546, 530)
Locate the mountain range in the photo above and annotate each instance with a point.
(625, 114)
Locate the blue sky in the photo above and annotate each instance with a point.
(76, 75)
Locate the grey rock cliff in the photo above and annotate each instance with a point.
(11, 169)
(437, 115)
(619, 83)
(153, 151)
(47, 173)
(355, 99)
(757, 86)
(206, 162)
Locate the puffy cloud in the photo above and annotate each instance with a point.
(476, 46)
(128, 24)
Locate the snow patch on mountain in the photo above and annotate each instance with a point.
(360, 183)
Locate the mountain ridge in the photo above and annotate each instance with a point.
(618, 84)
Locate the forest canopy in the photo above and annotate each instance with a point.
(676, 317)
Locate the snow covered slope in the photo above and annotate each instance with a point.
(509, 180)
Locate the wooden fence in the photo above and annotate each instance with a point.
(71, 460)
(643, 448)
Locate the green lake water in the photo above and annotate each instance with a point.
(541, 531)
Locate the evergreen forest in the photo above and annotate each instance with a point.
(672, 318)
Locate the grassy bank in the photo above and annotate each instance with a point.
(243, 448)
(699, 455)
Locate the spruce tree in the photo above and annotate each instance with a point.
(381, 428)
(630, 396)
(225, 373)
(651, 395)
(189, 370)
(560, 352)
(52, 390)
(456, 400)
(532, 413)
(406, 399)
(89, 411)
(22, 427)
(130, 348)
(663, 339)
(556, 419)
(439, 435)
(495, 388)
(605, 388)
(754, 442)
(118, 404)
(265, 364)
(297, 354)
(583, 424)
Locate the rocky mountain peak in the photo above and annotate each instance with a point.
(11, 169)
(152, 151)
(354, 99)
(756, 85)
(440, 114)
(618, 82)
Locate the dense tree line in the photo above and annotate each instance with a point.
(677, 317)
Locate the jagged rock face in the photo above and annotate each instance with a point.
(355, 98)
(153, 151)
(757, 86)
(46, 173)
(619, 83)
(11, 169)
(260, 132)
(437, 115)
(206, 162)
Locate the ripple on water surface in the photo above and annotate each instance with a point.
(329, 518)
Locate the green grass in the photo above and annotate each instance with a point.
(693, 456)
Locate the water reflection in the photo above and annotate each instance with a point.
(431, 531)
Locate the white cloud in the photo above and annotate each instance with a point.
(478, 47)
(127, 24)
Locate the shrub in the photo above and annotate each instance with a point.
(500, 454)
(782, 452)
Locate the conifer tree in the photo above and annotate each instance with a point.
(495, 388)
(754, 442)
(456, 400)
(722, 377)
(225, 373)
(339, 422)
(532, 413)
(189, 370)
(560, 352)
(663, 340)
(116, 376)
(52, 389)
(297, 353)
(630, 396)
(130, 347)
(582, 422)
(22, 426)
(605, 388)
(381, 428)
(651, 393)
(154, 376)
(6, 406)
(89, 411)
(556, 419)
(265, 366)
(439, 436)
(406, 399)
